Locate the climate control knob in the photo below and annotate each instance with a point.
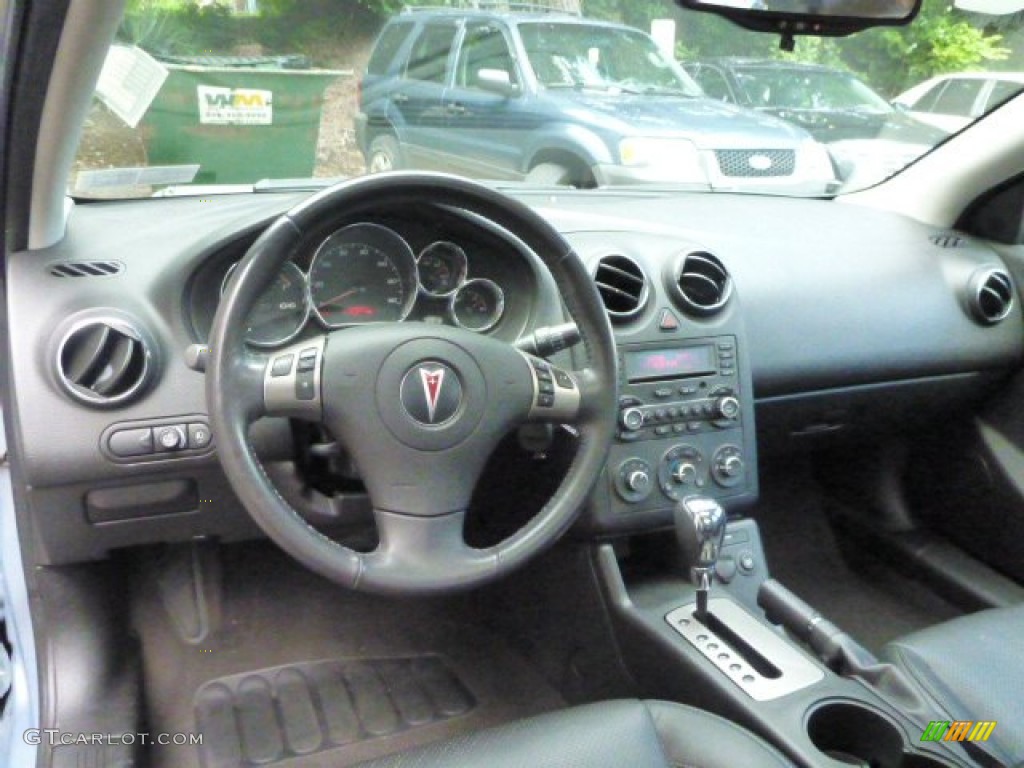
(638, 481)
(684, 473)
(727, 407)
(727, 467)
(631, 419)
(731, 466)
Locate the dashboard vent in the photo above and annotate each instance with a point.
(702, 283)
(622, 285)
(103, 362)
(948, 240)
(85, 268)
(990, 295)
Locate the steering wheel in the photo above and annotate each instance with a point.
(419, 407)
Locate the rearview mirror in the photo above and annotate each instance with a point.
(827, 18)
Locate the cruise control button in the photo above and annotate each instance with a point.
(545, 401)
(306, 364)
(199, 436)
(282, 365)
(546, 387)
(305, 386)
(131, 442)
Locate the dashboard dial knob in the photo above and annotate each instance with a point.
(632, 419)
(731, 466)
(684, 473)
(638, 481)
(727, 407)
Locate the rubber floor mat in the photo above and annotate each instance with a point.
(265, 717)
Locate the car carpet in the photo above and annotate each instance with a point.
(302, 673)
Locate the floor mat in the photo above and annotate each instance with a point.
(871, 602)
(301, 673)
(264, 717)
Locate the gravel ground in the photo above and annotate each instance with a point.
(336, 151)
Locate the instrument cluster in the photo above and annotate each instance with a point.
(368, 273)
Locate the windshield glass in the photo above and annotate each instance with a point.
(591, 56)
(215, 96)
(796, 89)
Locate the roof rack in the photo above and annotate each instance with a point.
(572, 7)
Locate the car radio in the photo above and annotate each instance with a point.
(681, 421)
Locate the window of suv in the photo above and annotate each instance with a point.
(429, 58)
(958, 98)
(386, 49)
(484, 47)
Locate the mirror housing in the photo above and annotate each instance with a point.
(823, 18)
(497, 81)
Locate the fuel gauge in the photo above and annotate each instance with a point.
(477, 305)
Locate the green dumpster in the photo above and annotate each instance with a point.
(241, 120)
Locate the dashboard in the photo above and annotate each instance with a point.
(744, 326)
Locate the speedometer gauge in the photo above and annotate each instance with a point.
(364, 273)
(280, 311)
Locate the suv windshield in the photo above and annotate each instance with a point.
(591, 56)
(211, 96)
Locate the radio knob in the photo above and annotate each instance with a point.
(684, 473)
(638, 481)
(727, 407)
(632, 419)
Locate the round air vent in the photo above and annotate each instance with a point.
(103, 361)
(701, 282)
(990, 295)
(622, 285)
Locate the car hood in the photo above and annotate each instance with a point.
(828, 125)
(706, 122)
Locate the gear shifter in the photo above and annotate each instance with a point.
(700, 527)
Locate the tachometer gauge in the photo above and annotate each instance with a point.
(280, 311)
(364, 273)
(441, 268)
(477, 305)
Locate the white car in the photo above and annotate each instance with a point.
(951, 102)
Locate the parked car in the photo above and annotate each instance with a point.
(558, 99)
(834, 106)
(951, 102)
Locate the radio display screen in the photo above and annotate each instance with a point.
(651, 364)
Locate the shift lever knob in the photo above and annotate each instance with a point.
(700, 528)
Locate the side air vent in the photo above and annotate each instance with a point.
(990, 295)
(103, 362)
(85, 268)
(948, 240)
(701, 282)
(622, 285)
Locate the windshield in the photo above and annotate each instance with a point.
(215, 97)
(589, 56)
(802, 89)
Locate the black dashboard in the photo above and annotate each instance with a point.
(743, 324)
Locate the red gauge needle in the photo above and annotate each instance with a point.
(340, 296)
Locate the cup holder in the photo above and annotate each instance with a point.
(853, 734)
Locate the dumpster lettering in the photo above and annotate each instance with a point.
(234, 106)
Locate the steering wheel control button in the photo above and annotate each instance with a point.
(563, 379)
(431, 393)
(170, 438)
(307, 361)
(199, 437)
(282, 365)
(131, 442)
(305, 386)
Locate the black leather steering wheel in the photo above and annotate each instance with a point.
(419, 407)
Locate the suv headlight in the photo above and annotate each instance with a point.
(672, 159)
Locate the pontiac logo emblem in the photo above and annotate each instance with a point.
(759, 162)
(431, 393)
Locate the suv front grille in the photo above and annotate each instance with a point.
(756, 162)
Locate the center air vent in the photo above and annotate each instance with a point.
(622, 285)
(103, 361)
(990, 295)
(702, 283)
(85, 268)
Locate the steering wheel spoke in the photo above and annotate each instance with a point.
(292, 380)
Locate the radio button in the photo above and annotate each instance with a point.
(727, 407)
(663, 392)
(632, 419)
